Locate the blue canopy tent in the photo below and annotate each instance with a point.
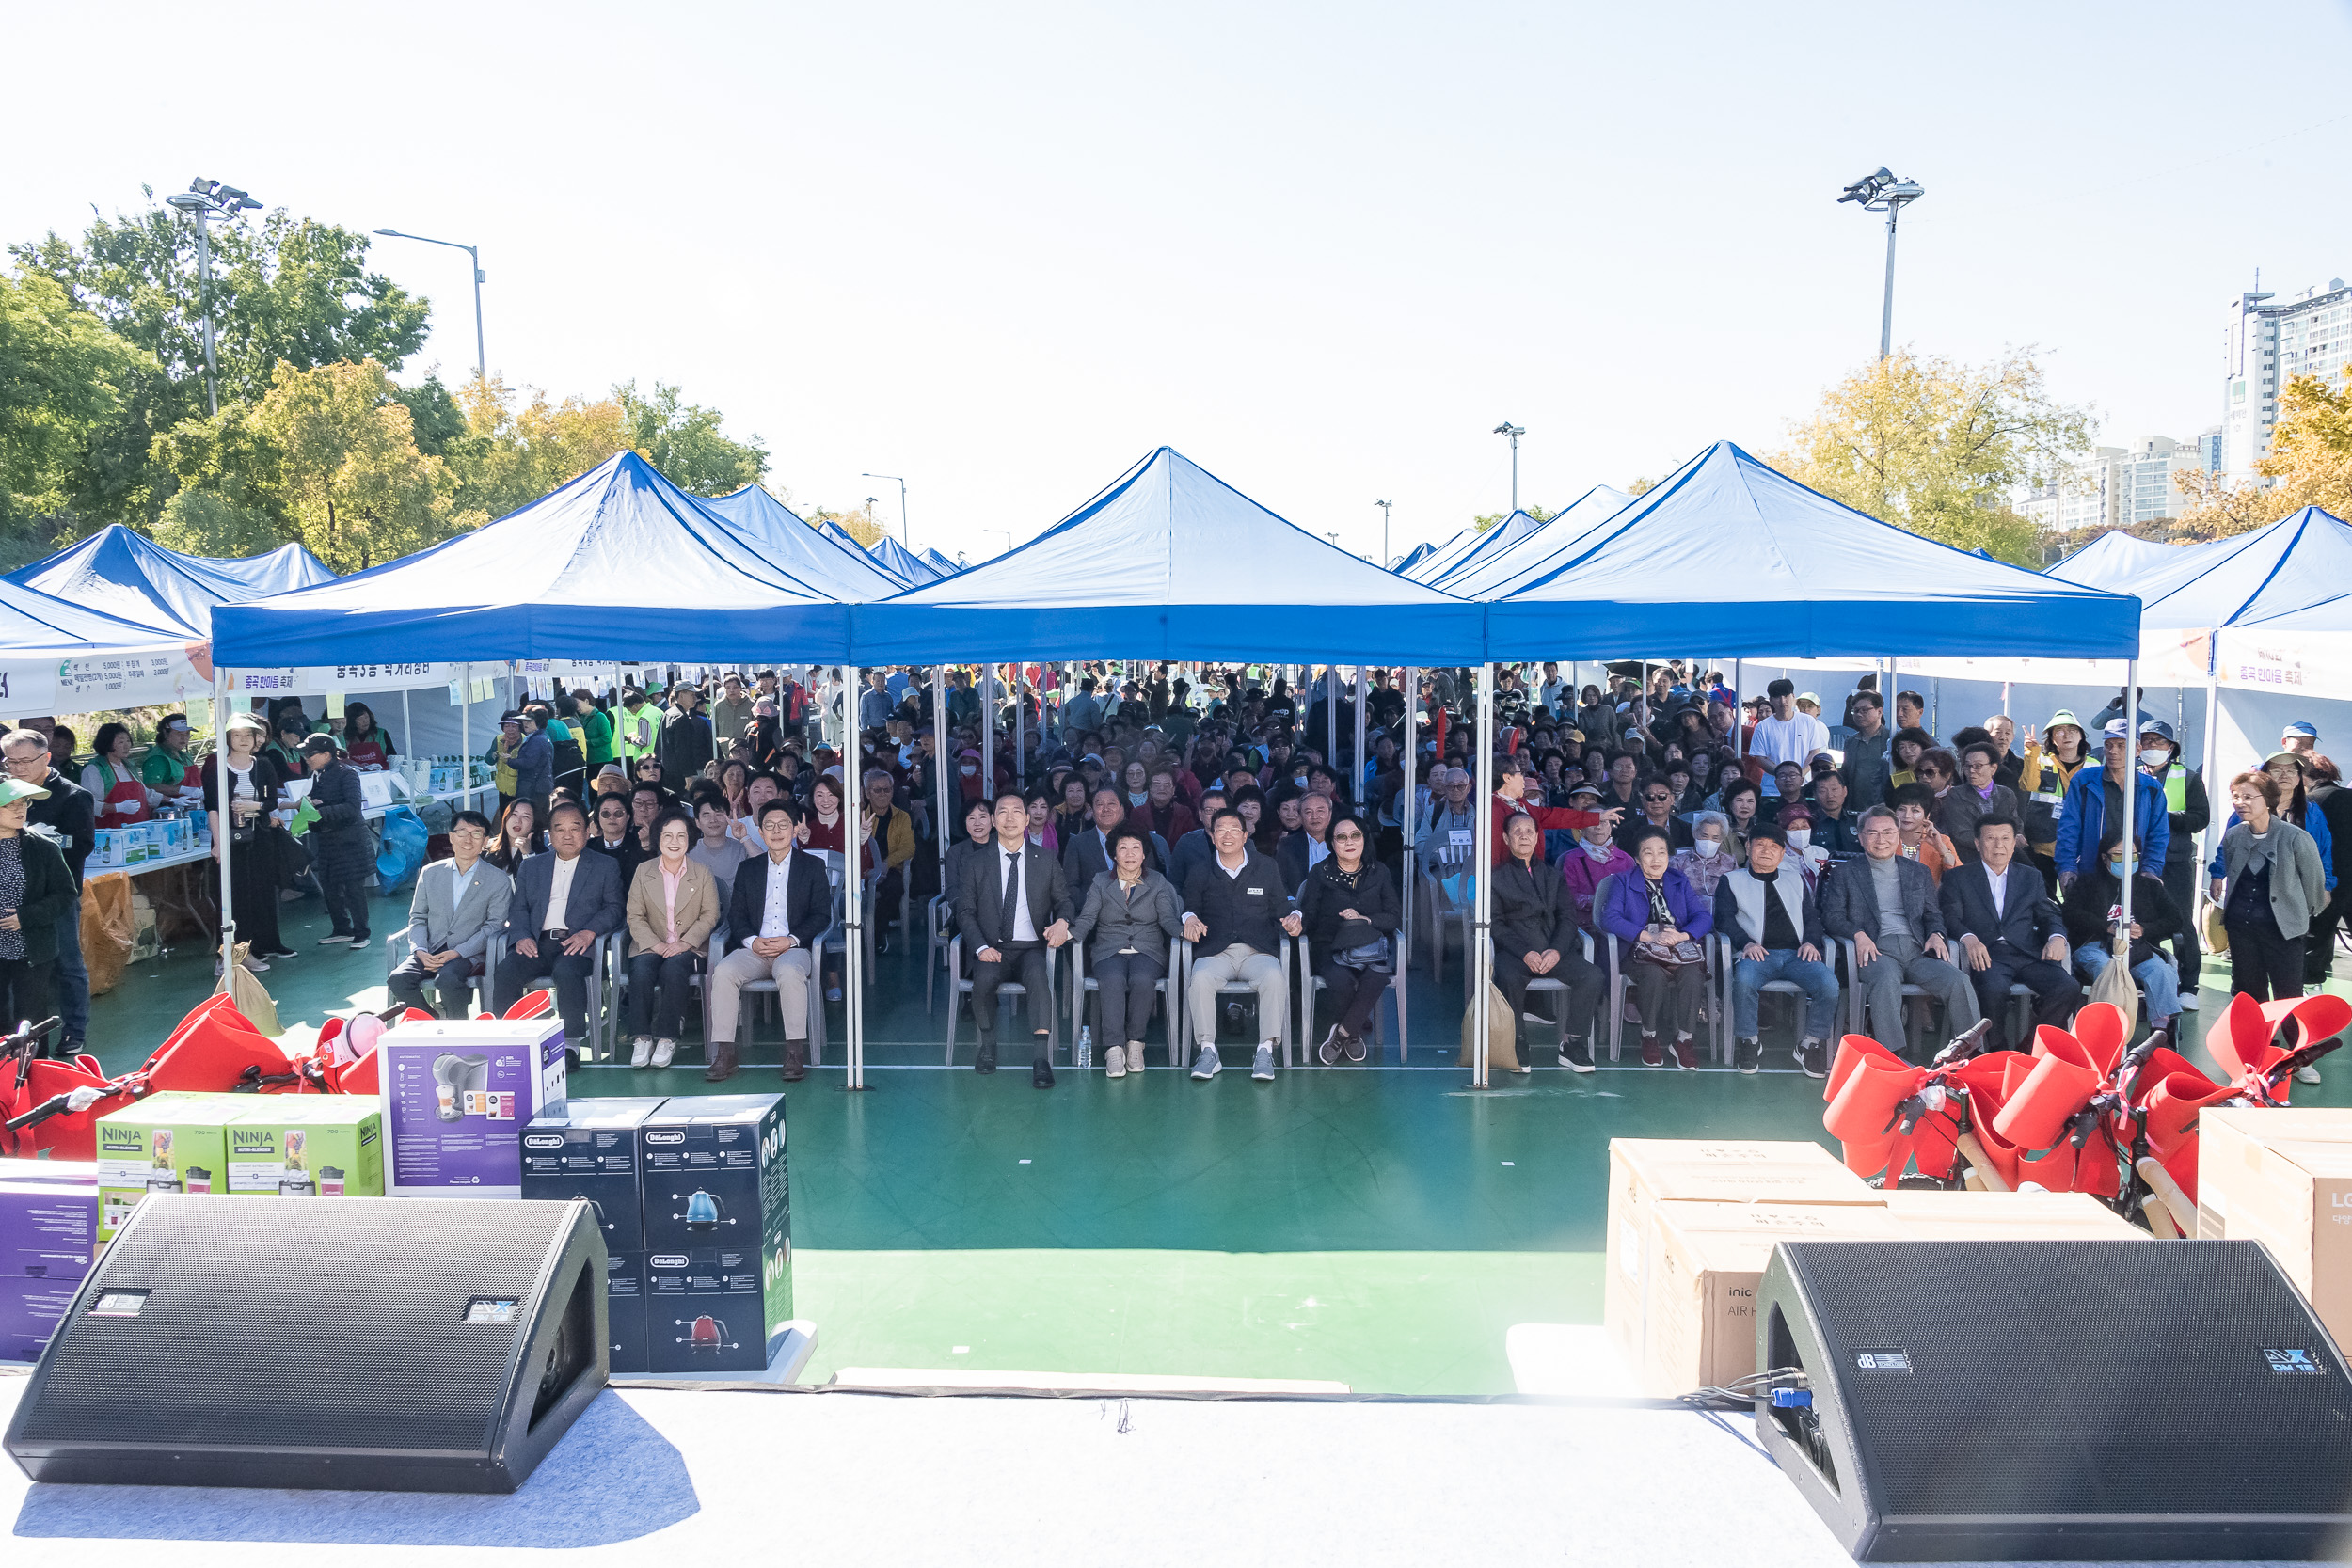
(1731, 552)
(1172, 562)
(1516, 527)
(939, 563)
(281, 571)
(1412, 558)
(903, 563)
(1496, 573)
(809, 555)
(1443, 559)
(850, 546)
(2116, 561)
(132, 577)
(2302, 559)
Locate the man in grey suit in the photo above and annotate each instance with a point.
(563, 902)
(459, 905)
(1887, 907)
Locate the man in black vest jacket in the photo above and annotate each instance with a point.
(1236, 912)
(1012, 906)
(2009, 932)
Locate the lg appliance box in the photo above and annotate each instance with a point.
(588, 1149)
(2284, 1178)
(48, 1232)
(714, 1173)
(2008, 1217)
(458, 1094)
(306, 1145)
(717, 1309)
(625, 1309)
(1645, 1172)
(171, 1142)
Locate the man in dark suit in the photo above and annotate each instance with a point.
(1087, 855)
(780, 906)
(2009, 932)
(1302, 851)
(1012, 905)
(564, 902)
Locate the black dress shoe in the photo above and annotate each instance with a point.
(986, 1060)
(1041, 1074)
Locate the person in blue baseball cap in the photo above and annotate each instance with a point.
(2300, 737)
(2188, 812)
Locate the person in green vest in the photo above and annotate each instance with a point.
(594, 729)
(640, 726)
(2190, 813)
(166, 762)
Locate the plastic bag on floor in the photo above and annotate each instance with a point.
(107, 929)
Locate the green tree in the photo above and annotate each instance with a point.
(350, 477)
(860, 525)
(1938, 447)
(204, 522)
(62, 380)
(2310, 464)
(1485, 520)
(683, 440)
(515, 450)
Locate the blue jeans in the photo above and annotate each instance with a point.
(2159, 978)
(1817, 980)
(72, 977)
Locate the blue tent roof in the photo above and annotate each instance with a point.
(1504, 534)
(1172, 562)
(809, 555)
(32, 621)
(1412, 558)
(134, 578)
(946, 567)
(618, 564)
(1497, 572)
(2115, 561)
(1442, 557)
(2302, 561)
(903, 563)
(282, 571)
(1751, 563)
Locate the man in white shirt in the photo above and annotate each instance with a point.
(780, 906)
(564, 901)
(1786, 735)
(1012, 907)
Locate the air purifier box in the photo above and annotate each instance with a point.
(171, 1142)
(588, 1149)
(717, 1309)
(457, 1095)
(306, 1145)
(624, 1310)
(714, 1173)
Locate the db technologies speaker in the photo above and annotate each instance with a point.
(379, 1344)
(1996, 1400)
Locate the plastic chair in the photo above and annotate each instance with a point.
(959, 988)
(1310, 985)
(937, 917)
(1083, 985)
(1237, 988)
(1725, 953)
(1858, 1009)
(1439, 912)
(764, 985)
(397, 946)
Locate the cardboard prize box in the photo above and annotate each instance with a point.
(1925, 1216)
(1645, 1172)
(714, 1172)
(171, 1142)
(48, 1234)
(306, 1145)
(588, 1149)
(717, 1309)
(624, 1310)
(2284, 1178)
(458, 1094)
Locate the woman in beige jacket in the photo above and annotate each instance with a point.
(673, 906)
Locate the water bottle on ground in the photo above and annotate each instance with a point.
(1086, 1045)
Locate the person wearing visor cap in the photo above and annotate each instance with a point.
(36, 895)
(2051, 761)
(2188, 812)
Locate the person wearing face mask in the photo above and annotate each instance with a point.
(2090, 906)
(1810, 859)
(1704, 861)
(2095, 798)
(2188, 812)
(1595, 856)
(1888, 907)
(968, 772)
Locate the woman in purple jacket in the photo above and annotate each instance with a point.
(1653, 909)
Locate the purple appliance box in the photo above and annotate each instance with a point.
(588, 1149)
(457, 1095)
(47, 1231)
(625, 1309)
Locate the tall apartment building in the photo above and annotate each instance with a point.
(2266, 339)
(2121, 487)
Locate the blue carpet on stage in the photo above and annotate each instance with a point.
(612, 1478)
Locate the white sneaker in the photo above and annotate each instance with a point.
(2188, 1002)
(2307, 1074)
(1263, 1069)
(664, 1050)
(1115, 1062)
(641, 1051)
(361, 941)
(1206, 1066)
(1135, 1058)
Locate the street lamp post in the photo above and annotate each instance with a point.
(203, 202)
(1883, 193)
(480, 361)
(1384, 529)
(904, 537)
(1514, 432)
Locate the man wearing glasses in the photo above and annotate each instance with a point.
(69, 812)
(1656, 801)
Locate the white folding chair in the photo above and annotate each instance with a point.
(1083, 985)
(1240, 988)
(764, 985)
(1725, 953)
(960, 987)
(1310, 985)
(938, 920)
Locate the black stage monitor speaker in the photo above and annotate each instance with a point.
(1999, 1400)
(380, 1344)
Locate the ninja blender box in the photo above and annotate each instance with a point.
(717, 1309)
(714, 1173)
(170, 1142)
(625, 1309)
(588, 1149)
(457, 1095)
(48, 1232)
(306, 1145)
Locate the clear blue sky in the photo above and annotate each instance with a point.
(1322, 249)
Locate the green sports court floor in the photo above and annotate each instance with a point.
(1379, 1228)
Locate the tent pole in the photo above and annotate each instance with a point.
(1364, 747)
(2128, 785)
(465, 739)
(1410, 819)
(223, 818)
(1331, 716)
(988, 731)
(852, 890)
(940, 764)
(2213, 741)
(1739, 736)
(1020, 724)
(409, 725)
(1482, 962)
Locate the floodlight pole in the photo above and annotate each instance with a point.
(203, 202)
(480, 361)
(1882, 191)
(1384, 532)
(1514, 432)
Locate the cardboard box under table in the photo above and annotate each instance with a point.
(2284, 1178)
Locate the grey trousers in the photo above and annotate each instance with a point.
(1260, 972)
(1881, 980)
